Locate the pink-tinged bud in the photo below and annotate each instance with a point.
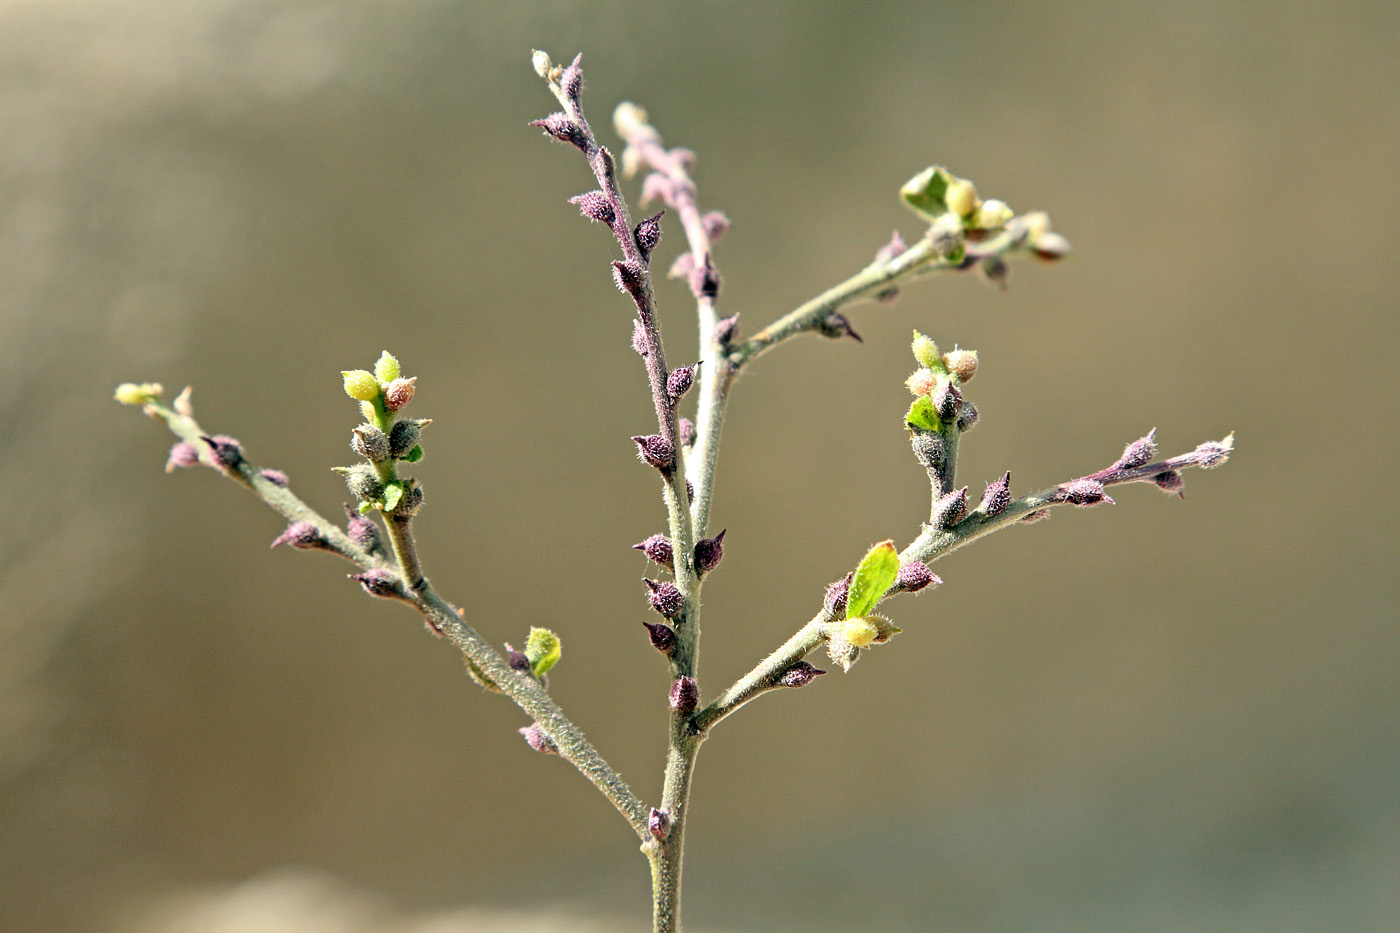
(639, 337)
(225, 451)
(370, 442)
(685, 695)
(571, 78)
(716, 225)
(950, 509)
(540, 742)
(655, 450)
(947, 400)
(961, 363)
(303, 535)
(517, 659)
(915, 576)
(664, 597)
(836, 326)
(708, 553)
(928, 448)
(726, 329)
(1039, 515)
(1171, 482)
(1051, 246)
(1138, 452)
(679, 382)
(403, 436)
(663, 639)
(275, 477)
(657, 187)
(648, 234)
(1212, 454)
(399, 393)
(659, 824)
(891, 249)
(379, 582)
(1083, 493)
(686, 429)
(921, 382)
(998, 496)
(182, 456)
(704, 279)
(630, 277)
(967, 417)
(563, 128)
(657, 548)
(682, 267)
(834, 602)
(362, 531)
(684, 157)
(799, 675)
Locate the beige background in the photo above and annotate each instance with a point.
(1161, 716)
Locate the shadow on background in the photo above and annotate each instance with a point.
(1161, 716)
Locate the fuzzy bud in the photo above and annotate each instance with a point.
(370, 442)
(1212, 454)
(662, 637)
(961, 363)
(685, 695)
(655, 450)
(303, 535)
(926, 351)
(409, 502)
(991, 214)
(563, 128)
(657, 548)
(950, 509)
(836, 326)
(129, 393)
(705, 280)
(517, 659)
(708, 552)
(686, 428)
(537, 740)
(182, 456)
(362, 531)
(922, 382)
(630, 277)
(1051, 246)
(716, 225)
(360, 384)
(275, 477)
(1083, 493)
(639, 337)
(961, 197)
(386, 368)
(799, 675)
(648, 234)
(664, 597)
(947, 400)
(403, 436)
(1139, 452)
(914, 576)
(379, 582)
(571, 78)
(225, 451)
(834, 603)
(364, 484)
(1169, 481)
(995, 270)
(595, 206)
(967, 417)
(726, 329)
(679, 382)
(928, 448)
(399, 392)
(998, 496)
(659, 824)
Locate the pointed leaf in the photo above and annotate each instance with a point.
(542, 650)
(393, 492)
(923, 416)
(924, 192)
(873, 579)
(414, 455)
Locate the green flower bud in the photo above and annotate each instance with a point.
(129, 393)
(926, 352)
(991, 214)
(961, 197)
(361, 385)
(542, 650)
(387, 369)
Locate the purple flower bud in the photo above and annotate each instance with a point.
(563, 128)
(370, 442)
(655, 450)
(182, 456)
(726, 329)
(716, 225)
(1213, 453)
(538, 740)
(380, 582)
(659, 823)
(403, 436)
(950, 509)
(928, 448)
(1138, 452)
(998, 495)
(834, 603)
(679, 382)
(968, 416)
(399, 393)
(639, 337)
(799, 675)
(1082, 492)
(657, 548)
(708, 553)
(517, 659)
(836, 326)
(914, 576)
(409, 503)
(648, 234)
(685, 695)
(664, 597)
(656, 187)
(302, 535)
(275, 477)
(1170, 481)
(704, 279)
(682, 267)
(571, 78)
(685, 157)
(361, 530)
(663, 639)
(686, 427)
(947, 400)
(595, 206)
(891, 249)
(630, 277)
(225, 451)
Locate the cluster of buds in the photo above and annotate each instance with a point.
(939, 411)
(383, 438)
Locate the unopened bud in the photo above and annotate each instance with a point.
(716, 225)
(1082, 493)
(1212, 454)
(129, 393)
(685, 695)
(704, 279)
(657, 548)
(563, 128)
(659, 823)
(639, 337)
(1169, 481)
(961, 197)
(708, 553)
(409, 502)
(664, 597)
(655, 450)
(182, 456)
(303, 535)
(950, 509)
(995, 270)
(726, 329)
(926, 351)
(540, 742)
(275, 477)
(679, 382)
(686, 428)
(998, 496)
(517, 659)
(386, 368)
(571, 79)
(361, 530)
(836, 326)
(370, 442)
(630, 277)
(364, 484)
(403, 436)
(360, 384)
(1050, 246)
(379, 582)
(991, 214)
(922, 382)
(947, 400)
(928, 448)
(648, 234)
(961, 363)
(968, 416)
(662, 637)
(914, 576)
(398, 393)
(595, 206)
(225, 451)
(799, 675)
(834, 602)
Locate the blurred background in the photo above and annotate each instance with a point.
(1161, 716)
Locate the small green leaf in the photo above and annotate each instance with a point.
(364, 508)
(414, 455)
(923, 416)
(924, 192)
(393, 492)
(873, 578)
(542, 650)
